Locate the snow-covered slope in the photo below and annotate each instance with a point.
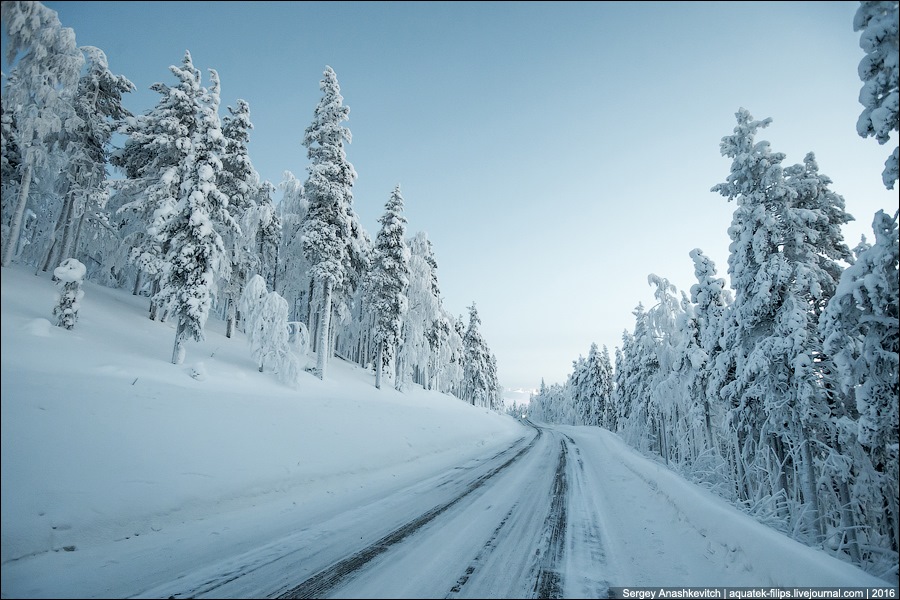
(104, 439)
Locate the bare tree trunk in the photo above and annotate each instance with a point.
(324, 330)
(230, 318)
(710, 440)
(893, 517)
(847, 521)
(77, 237)
(54, 242)
(781, 478)
(154, 307)
(743, 491)
(68, 228)
(810, 484)
(15, 227)
(399, 367)
(178, 349)
(138, 281)
(378, 368)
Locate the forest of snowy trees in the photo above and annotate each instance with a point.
(781, 393)
(177, 213)
(777, 389)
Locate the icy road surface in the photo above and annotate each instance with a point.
(566, 512)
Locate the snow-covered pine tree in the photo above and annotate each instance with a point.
(785, 241)
(576, 386)
(691, 436)
(495, 391)
(861, 330)
(293, 278)
(327, 227)
(475, 362)
(98, 105)
(451, 356)
(10, 155)
(38, 93)
(239, 181)
(252, 296)
(757, 185)
(389, 283)
(879, 71)
(622, 378)
(640, 368)
(422, 333)
(666, 409)
(194, 253)
(10, 159)
(266, 325)
(153, 159)
(711, 300)
(264, 227)
(480, 384)
(69, 276)
(603, 388)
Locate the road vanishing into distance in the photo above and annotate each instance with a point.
(559, 514)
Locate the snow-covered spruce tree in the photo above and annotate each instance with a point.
(666, 406)
(495, 391)
(98, 105)
(252, 296)
(813, 247)
(603, 389)
(542, 406)
(862, 338)
(591, 384)
(690, 436)
(647, 385)
(239, 181)
(250, 204)
(38, 93)
(622, 379)
(10, 159)
(710, 300)
(422, 332)
(879, 71)
(757, 184)
(265, 226)
(327, 229)
(10, 156)
(438, 337)
(389, 282)
(451, 357)
(194, 253)
(639, 368)
(785, 241)
(476, 386)
(153, 160)
(69, 276)
(293, 278)
(577, 396)
(44, 209)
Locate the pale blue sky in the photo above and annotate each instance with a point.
(556, 153)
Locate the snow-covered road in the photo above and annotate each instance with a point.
(565, 512)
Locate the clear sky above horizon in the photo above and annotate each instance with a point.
(556, 153)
